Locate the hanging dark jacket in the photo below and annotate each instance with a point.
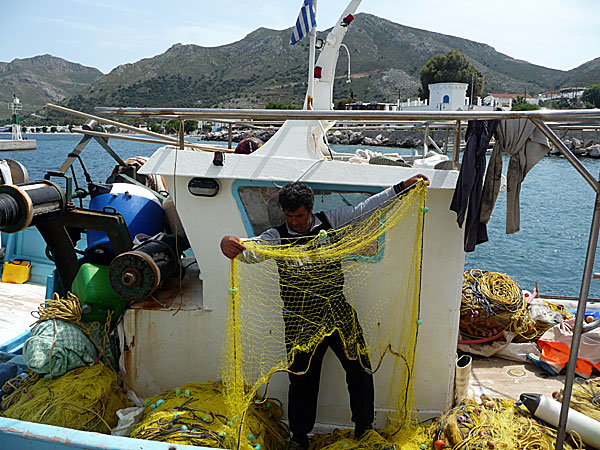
(467, 196)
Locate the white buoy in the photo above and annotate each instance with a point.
(548, 410)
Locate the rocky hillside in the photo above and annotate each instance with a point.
(262, 67)
(584, 75)
(42, 79)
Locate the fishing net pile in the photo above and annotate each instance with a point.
(196, 414)
(492, 304)
(60, 341)
(495, 424)
(86, 398)
(365, 278)
(585, 397)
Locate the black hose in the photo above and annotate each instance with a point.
(9, 211)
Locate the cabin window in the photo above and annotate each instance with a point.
(260, 210)
(446, 99)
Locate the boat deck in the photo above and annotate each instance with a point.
(493, 376)
(499, 377)
(16, 303)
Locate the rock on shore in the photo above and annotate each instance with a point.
(581, 143)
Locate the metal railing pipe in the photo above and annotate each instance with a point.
(382, 116)
(544, 128)
(576, 340)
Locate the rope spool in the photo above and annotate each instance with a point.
(29, 204)
(492, 303)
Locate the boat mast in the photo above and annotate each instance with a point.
(308, 102)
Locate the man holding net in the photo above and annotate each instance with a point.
(310, 292)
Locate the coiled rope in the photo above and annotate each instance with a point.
(493, 303)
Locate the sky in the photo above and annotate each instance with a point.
(560, 34)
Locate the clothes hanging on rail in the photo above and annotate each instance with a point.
(470, 182)
(526, 145)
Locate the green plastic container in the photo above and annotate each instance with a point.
(96, 295)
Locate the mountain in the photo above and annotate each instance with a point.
(42, 79)
(583, 76)
(386, 58)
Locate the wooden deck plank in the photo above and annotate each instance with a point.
(16, 303)
(498, 377)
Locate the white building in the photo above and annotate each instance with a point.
(448, 96)
(443, 97)
(566, 93)
(506, 100)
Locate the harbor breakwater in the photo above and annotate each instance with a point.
(581, 142)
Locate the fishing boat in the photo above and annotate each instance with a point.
(174, 335)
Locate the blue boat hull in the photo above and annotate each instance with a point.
(20, 435)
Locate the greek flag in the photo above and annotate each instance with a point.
(306, 22)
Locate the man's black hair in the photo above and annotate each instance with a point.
(294, 195)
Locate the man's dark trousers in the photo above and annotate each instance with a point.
(304, 388)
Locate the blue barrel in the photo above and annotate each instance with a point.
(142, 214)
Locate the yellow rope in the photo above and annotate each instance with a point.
(586, 397)
(496, 424)
(492, 303)
(67, 309)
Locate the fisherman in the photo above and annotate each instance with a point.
(296, 199)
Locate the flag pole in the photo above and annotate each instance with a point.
(311, 64)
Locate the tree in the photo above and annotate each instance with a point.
(189, 126)
(519, 100)
(448, 68)
(341, 104)
(155, 127)
(172, 126)
(591, 94)
(525, 107)
(279, 105)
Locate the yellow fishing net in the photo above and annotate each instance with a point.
(86, 398)
(495, 424)
(361, 280)
(196, 414)
(585, 397)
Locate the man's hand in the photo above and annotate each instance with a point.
(231, 246)
(412, 180)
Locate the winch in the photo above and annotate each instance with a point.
(136, 274)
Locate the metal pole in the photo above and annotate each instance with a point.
(426, 141)
(446, 141)
(311, 64)
(544, 128)
(575, 341)
(581, 115)
(111, 122)
(181, 130)
(230, 136)
(456, 148)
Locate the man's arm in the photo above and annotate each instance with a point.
(232, 246)
(343, 216)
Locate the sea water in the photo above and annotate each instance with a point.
(556, 212)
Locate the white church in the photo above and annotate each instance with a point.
(443, 97)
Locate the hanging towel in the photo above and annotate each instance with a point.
(526, 145)
(470, 181)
